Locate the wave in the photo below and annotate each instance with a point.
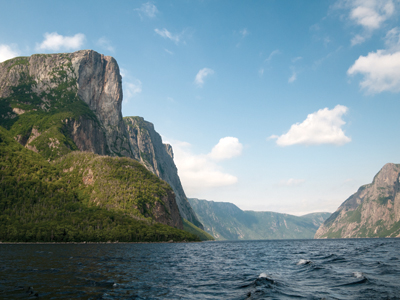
(304, 262)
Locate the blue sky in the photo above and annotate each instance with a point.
(284, 106)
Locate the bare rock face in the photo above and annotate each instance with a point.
(92, 77)
(373, 211)
(158, 158)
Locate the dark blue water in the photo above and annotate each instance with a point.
(289, 269)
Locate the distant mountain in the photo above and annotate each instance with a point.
(225, 221)
(373, 211)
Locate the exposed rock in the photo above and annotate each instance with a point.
(96, 80)
(373, 211)
(158, 158)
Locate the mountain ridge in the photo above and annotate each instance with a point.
(226, 221)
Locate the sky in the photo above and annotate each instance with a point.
(274, 105)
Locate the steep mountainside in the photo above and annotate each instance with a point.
(82, 197)
(159, 159)
(373, 211)
(225, 221)
(54, 104)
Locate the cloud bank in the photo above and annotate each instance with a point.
(321, 127)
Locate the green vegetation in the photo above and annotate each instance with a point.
(44, 201)
(189, 227)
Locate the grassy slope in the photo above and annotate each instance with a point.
(227, 222)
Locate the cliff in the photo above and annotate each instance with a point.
(55, 84)
(373, 211)
(158, 159)
(225, 221)
(54, 104)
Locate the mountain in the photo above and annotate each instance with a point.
(373, 211)
(53, 105)
(225, 221)
(57, 103)
(158, 158)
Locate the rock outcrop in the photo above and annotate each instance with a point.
(373, 211)
(158, 159)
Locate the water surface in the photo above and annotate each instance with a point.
(277, 269)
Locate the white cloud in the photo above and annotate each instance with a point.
(8, 52)
(201, 75)
(261, 71)
(168, 35)
(106, 44)
(201, 172)
(291, 182)
(147, 9)
(169, 52)
(381, 71)
(227, 147)
(371, 13)
(321, 127)
(55, 42)
(293, 77)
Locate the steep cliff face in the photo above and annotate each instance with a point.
(373, 211)
(158, 158)
(55, 84)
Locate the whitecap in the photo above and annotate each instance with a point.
(262, 275)
(358, 275)
(303, 262)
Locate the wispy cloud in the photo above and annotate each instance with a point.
(169, 52)
(291, 182)
(104, 43)
(168, 35)
(8, 52)
(272, 54)
(147, 9)
(321, 127)
(55, 42)
(380, 69)
(293, 77)
(199, 172)
(201, 75)
(131, 86)
(244, 32)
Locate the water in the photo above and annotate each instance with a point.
(280, 269)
